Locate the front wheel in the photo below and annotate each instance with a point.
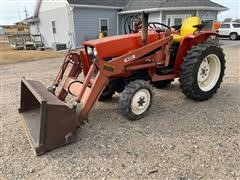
(233, 36)
(202, 71)
(136, 100)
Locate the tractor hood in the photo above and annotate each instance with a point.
(118, 45)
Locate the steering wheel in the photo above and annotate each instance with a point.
(157, 23)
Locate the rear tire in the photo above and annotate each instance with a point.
(136, 100)
(202, 71)
(233, 36)
(214, 41)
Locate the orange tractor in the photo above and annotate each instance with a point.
(131, 64)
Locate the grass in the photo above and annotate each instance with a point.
(9, 55)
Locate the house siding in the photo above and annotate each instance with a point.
(34, 29)
(154, 16)
(86, 23)
(122, 18)
(47, 5)
(60, 15)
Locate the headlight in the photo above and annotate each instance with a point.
(95, 52)
(89, 51)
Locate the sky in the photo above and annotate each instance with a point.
(12, 11)
(9, 10)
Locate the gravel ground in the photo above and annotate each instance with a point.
(179, 139)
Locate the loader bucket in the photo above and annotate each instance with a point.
(48, 122)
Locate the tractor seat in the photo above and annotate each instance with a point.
(187, 28)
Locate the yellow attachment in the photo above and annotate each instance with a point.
(177, 37)
(100, 35)
(187, 28)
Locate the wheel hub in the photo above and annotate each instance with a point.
(140, 101)
(204, 70)
(233, 36)
(209, 72)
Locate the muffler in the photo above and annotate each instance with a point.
(144, 37)
(48, 122)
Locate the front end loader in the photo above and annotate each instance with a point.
(154, 55)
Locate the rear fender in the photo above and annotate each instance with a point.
(187, 43)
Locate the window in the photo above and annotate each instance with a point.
(169, 21)
(103, 26)
(236, 25)
(208, 24)
(224, 26)
(54, 27)
(176, 19)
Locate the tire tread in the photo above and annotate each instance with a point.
(127, 94)
(188, 67)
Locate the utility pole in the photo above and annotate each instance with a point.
(26, 12)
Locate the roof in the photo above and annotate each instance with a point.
(37, 7)
(32, 20)
(131, 6)
(143, 4)
(113, 3)
(116, 4)
(184, 3)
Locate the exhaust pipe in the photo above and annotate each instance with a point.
(145, 17)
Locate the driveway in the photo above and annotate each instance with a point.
(225, 42)
(179, 139)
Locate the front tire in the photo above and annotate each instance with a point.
(202, 71)
(233, 36)
(136, 100)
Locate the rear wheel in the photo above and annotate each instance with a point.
(136, 100)
(213, 41)
(202, 71)
(233, 36)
